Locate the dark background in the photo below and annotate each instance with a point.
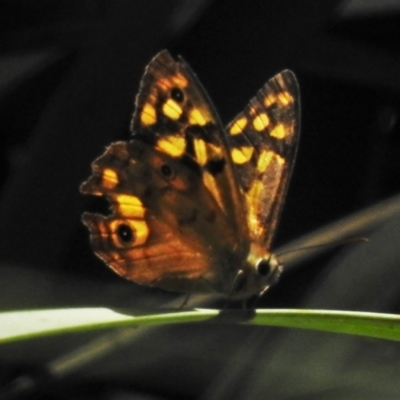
(69, 73)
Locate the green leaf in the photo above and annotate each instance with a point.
(22, 325)
(376, 325)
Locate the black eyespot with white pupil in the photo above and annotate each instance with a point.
(177, 95)
(125, 233)
(263, 267)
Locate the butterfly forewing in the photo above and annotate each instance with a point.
(263, 143)
(174, 114)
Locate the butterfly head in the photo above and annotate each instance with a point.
(268, 271)
(259, 274)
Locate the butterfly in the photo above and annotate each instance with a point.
(194, 206)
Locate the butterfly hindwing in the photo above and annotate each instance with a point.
(164, 228)
(263, 143)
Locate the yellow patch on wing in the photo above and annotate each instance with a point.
(198, 117)
(141, 231)
(265, 159)
(130, 206)
(269, 100)
(109, 178)
(280, 131)
(172, 109)
(238, 126)
(261, 122)
(148, 115)
(242, 154)
(285, 98)
(173, 145)
(252, 199)
(200, 149)
(280, 160)
(205, 151)
(212, 186)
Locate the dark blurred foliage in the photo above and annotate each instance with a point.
(69, 72)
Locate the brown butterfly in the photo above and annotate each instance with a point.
(194, 207)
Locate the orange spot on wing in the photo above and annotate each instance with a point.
(175, 80)
(214, 150)
(164, 83)
(180, 80)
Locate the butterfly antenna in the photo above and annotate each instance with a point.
(329, 244)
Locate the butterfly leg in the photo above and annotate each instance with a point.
(237, 283)
(236, 286)
(185, 301)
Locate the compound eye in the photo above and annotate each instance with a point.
(263, 267)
